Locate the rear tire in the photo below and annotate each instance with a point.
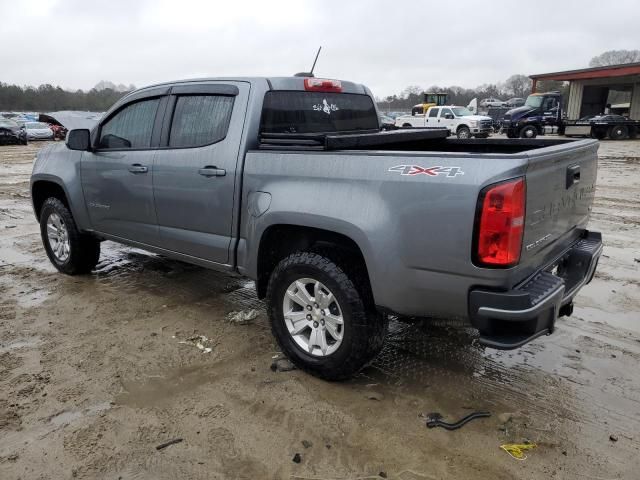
(296, 323)
(528, 132)
(69, 250)
(510, 134)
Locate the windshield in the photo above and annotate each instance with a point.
(534, 101)
(461, 111)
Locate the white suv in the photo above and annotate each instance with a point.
(492, 102)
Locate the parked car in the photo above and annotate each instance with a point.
(288, 181)
(387, 123)
(12, 133)
(59, 132)
(492, 102)
(458, 120)
(514, 102)
(38, 131)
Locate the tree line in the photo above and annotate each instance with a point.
(515, 86)
(47, 98)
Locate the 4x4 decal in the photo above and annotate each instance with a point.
(431, 171)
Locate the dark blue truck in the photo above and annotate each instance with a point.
(543, 113)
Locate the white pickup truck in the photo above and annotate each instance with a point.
(459, 120)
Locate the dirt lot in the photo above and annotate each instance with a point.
(94, 376)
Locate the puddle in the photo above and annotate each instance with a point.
(131, 269)
(21, 343)
(64, 418)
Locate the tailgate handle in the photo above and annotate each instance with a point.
(573, 175)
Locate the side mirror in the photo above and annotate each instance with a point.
(448, 116)
(79, 139)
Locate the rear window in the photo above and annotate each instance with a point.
(317, 112)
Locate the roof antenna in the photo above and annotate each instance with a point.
(310, 74)
(316, 59)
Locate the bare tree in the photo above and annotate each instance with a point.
(411, 90)
(517, 85)
(615, 57)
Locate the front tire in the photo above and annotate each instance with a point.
(463, 132)
(618, 132)
(529, 132)
(69, 250)
(322, 319)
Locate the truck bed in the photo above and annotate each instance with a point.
(414, 140)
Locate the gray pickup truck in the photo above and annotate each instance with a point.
(289, 182)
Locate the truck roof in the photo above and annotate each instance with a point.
(273, 83)
(540, 94)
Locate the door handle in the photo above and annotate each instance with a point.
(212, 171)
(573, 175)
(137, 168)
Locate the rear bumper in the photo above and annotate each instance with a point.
(508, 320)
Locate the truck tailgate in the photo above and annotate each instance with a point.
(560, 190)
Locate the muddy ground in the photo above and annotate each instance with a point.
(93, 374)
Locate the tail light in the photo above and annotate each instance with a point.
(322, 85)
(500, 224)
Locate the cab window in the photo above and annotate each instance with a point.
(433, 113)
(445, 111)
(130, 127)
(549, 103)
(200, 120)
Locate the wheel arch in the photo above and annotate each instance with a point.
(42, 189)
(280, 240)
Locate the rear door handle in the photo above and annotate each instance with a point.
(137, 168)
(211, 171)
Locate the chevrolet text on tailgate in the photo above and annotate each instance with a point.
(290, 182)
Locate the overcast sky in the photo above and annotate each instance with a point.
(385, 44)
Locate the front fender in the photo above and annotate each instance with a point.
(61, 166)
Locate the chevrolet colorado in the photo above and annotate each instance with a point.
(289, 182)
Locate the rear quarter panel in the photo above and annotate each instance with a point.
(414, 229)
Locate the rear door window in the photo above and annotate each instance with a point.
(130, 127)
(200, 120)
(317, 112)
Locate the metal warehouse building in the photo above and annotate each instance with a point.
(593, 91)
